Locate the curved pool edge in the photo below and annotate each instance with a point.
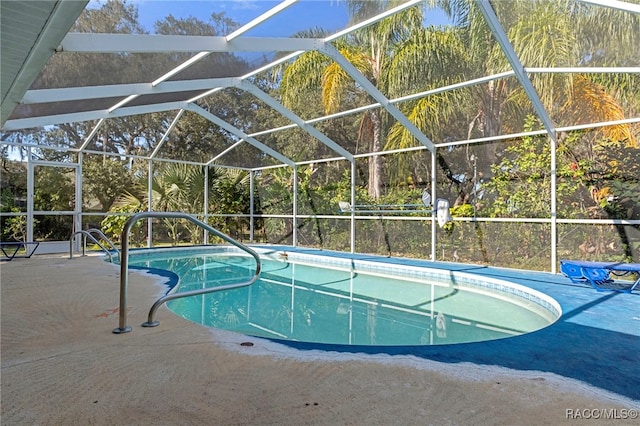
(594, 341)
(461, 370)
(516, 309)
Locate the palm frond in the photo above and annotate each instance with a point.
(425, 114)
(334, 80)
(302, 75)
(431, 57)
(129, 199)
(589, 103)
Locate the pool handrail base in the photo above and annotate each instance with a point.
(124, 265)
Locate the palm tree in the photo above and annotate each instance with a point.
(368, 50)
(180, 187)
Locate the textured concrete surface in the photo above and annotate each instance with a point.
(62, 365)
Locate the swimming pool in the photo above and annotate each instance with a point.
(339, 301)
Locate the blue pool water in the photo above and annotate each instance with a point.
(339, 301)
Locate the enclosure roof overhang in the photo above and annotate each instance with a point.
(34, 31)
(30, 33)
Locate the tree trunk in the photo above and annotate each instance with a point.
(375, 162)
(492, 121)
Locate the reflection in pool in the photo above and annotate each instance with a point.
(331, 300)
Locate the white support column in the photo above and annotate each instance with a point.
(30, 194)
(353, 203)
(206, 203)
(554, 212)
(295, 205)
(434, 182)
(251, 205)
(77, 217)
(150, 205)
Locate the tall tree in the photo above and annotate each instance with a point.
(368, 50)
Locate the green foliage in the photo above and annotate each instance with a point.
(113, 224)
(54, 189)
(7, 201)
(612, 178)
(181, 188)
(15, 227)
(521, 182)
(229, 194)
(463, 210)
(105, 179)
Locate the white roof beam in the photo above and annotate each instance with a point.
(339, 34)
(584, 70)
(50, 120)
(361, 80)
(393, 101)
(260, 19)
(440, 145)
(146, 43)
(615, 4)
(186, 64)
(166, 134)
(280, 7)
(123, 102)
(374, 19)
(468, 83)
(223, 153)
(239, 133)
(92, 134)
(115, 90)
(516, 65)
(250, 74)
(246, 86)
(91, 92)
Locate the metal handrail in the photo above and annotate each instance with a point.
(124, 267)
(88, 234)
(104, 237)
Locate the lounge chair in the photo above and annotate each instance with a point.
(599, 274)
(10, 249)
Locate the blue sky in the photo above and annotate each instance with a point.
(327, 14)
(330, 14)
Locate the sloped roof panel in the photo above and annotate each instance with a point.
(31, 30)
